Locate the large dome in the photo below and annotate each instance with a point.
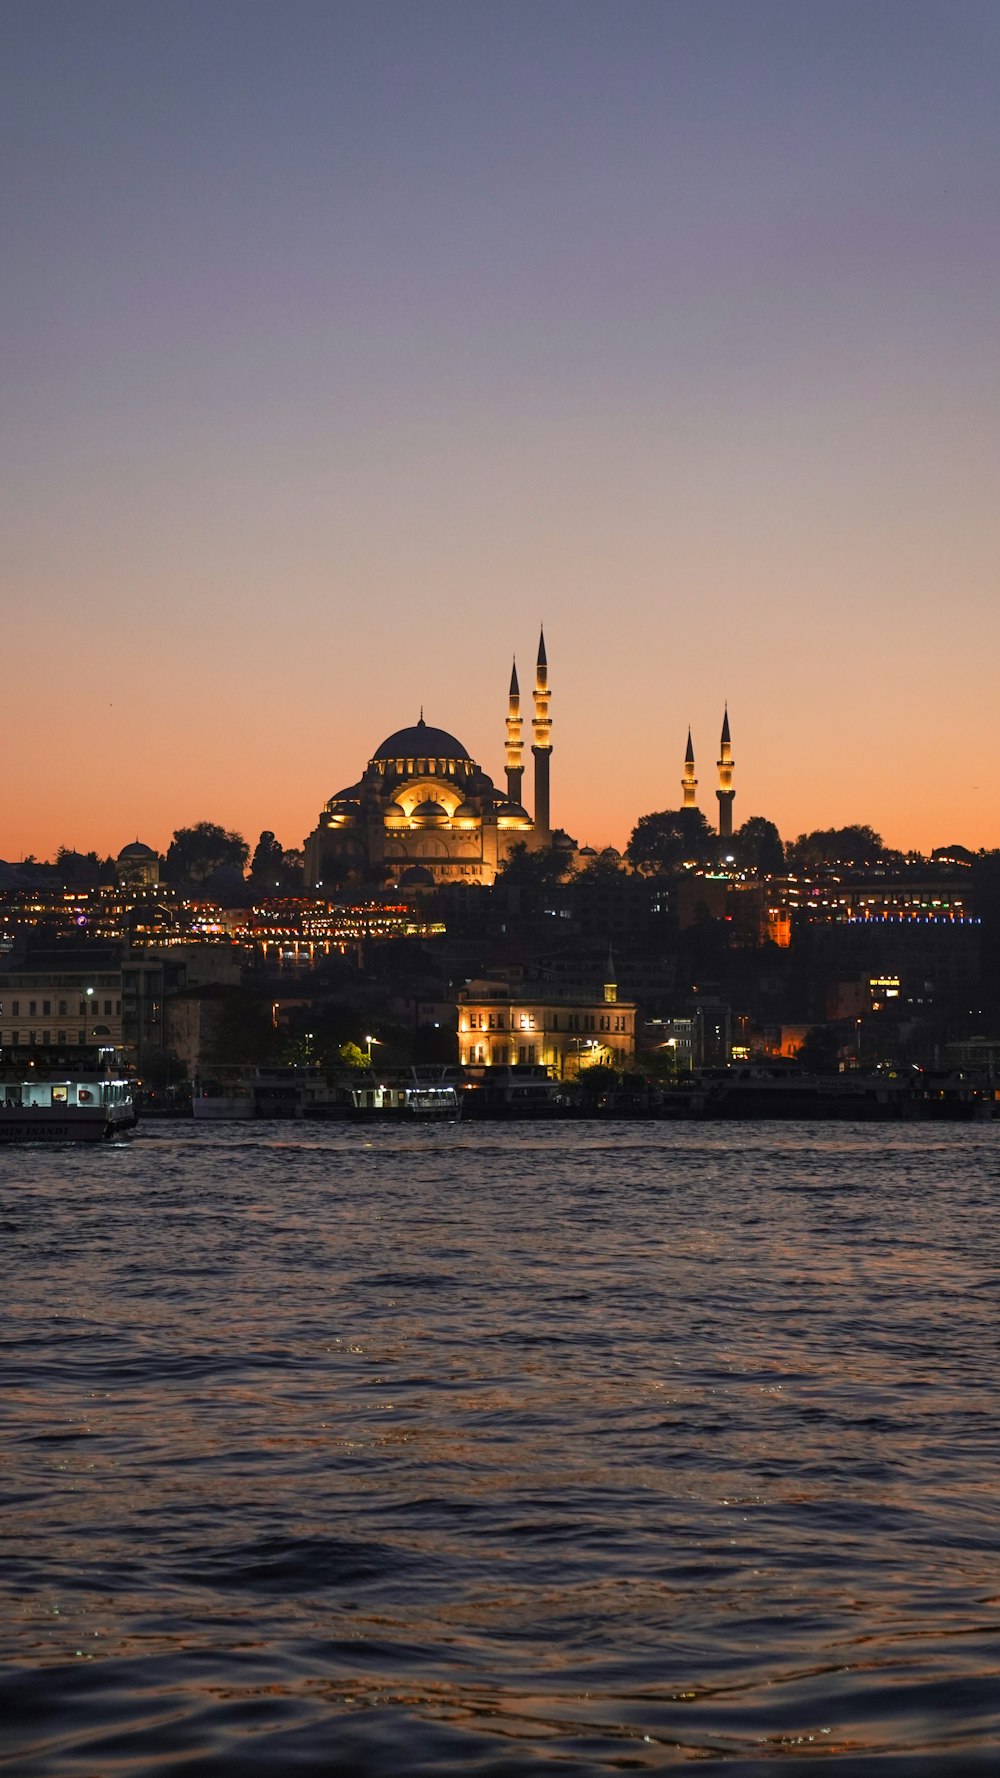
(421, 742)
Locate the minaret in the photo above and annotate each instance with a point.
(725, 792)
(541, 746)
(689, 782)
(515, 749)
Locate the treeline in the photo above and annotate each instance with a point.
(202, 855)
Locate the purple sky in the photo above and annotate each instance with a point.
(343, 344)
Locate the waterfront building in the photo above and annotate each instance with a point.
(59, 998)
(424, 813)
(561, 1026)
(152, 976)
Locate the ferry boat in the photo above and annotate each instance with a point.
(69, 1096)
(780, 1089)
(225, 1096)
(522, 1090)
(421, 1092)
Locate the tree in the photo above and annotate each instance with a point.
(670, 839)
(828, 846)
(527, 869)
(195, 853)
(757, 846)
(353, 1056)
(595, 1081)
(265, 868)
(820, 1050)
(244, 1031)
(292, 869)
(78, 870)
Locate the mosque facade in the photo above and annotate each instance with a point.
(425, 813)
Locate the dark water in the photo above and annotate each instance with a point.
(488, 1451)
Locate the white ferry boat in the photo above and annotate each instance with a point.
(422, 1092)
(64, 1097)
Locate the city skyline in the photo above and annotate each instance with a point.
(345, 345)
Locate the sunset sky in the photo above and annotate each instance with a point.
(344, 343)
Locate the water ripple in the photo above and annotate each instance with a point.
(491, 1452)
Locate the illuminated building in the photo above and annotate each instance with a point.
(296, 930)
(60, 998)
(424, 813)
(138, 866)
(559, 1026)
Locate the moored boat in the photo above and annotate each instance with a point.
(65, 1096)
(420, 1092)
(527, 1091)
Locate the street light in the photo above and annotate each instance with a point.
(369, 1041)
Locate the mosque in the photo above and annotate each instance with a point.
(424, 813)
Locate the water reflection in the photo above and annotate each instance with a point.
(433, 1452)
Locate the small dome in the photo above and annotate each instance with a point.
(135, 850)
(588, 852)
(466, 812)
(394, 812)
(429, 811)
(416, 876)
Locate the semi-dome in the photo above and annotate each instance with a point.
(421, 742)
